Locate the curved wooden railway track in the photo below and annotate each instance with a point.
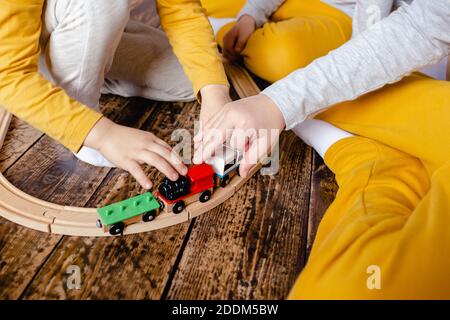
(23, 209)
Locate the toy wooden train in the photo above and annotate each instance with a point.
(173, 196)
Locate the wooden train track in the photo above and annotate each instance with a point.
(23, 209)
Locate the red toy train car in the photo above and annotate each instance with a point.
(197, 185)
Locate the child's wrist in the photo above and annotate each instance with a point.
(214, 91)
(247, 19)
(98, 133)
(215, 94)
(272, 108)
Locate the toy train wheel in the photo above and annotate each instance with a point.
(178, 207)
(149, 216)
(117, 228)
(225, 181)
(99, 223)
(205, 196)
(161, 204)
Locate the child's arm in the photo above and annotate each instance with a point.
(410, 38)
(25, 93)
(192, 39)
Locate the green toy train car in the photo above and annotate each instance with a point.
(115, 217)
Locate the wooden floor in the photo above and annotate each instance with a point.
(251, 247)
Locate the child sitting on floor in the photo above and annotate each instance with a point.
(58, 56)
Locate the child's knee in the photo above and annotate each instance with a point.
(111, 13)
(390, 179)
(105, 15)
(272, 53)
(222, 9)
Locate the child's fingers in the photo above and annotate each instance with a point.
(170, 157)
(159, 163)
(244, 169)
(207, 150)
(239, 140)
(205, 126)
(163, 144)
(257, 149)
(240, 42)
(212, 139)
(229, 41)
(136, 171)
(203, 136)
(229, 56)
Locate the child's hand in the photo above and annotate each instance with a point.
(129, 148)
(241, 123)
(235, 40)
(214, 98)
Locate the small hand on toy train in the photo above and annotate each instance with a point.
(172, 196)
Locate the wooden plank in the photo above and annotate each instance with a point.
(253, 245)
(19, 139)
(22, 252)
(239, 181)
(241, 80)
(39, 174)
(13, 278)
(50, 172)
(129, 267)
(5, 121)
(448, 69)
(220, 195)
(323, 192)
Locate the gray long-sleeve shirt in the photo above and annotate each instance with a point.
(415, 35)
(363, 11)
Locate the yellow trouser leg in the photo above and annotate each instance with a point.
(412, 115)
(299, 32)
(387, 215)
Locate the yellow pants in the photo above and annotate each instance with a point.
(387, 234)
(298, 32)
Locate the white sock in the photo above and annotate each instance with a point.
(93, 157)
(218, 23)
(319, 134)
